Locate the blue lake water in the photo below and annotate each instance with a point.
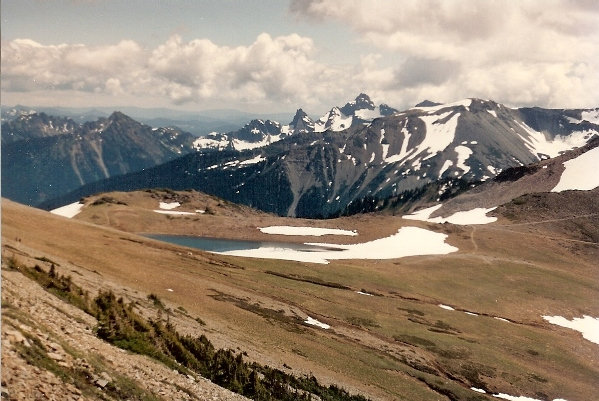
(225, 245)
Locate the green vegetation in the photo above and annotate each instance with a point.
(119, 324)
(156, 301)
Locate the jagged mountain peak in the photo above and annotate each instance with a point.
(361, 102)
(301, 122)
(387, 110)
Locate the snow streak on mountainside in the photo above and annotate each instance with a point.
(45, 156)
(429, 151)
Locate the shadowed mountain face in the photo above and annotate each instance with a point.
(428, 151)
(44, 157)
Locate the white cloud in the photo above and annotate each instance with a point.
(279, 70)
(525, 52)
(522, 52)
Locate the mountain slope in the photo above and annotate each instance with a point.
(315, 174)
(44, 157)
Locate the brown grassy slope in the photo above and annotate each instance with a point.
(398, 345)
(134, 212)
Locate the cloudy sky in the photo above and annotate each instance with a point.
(275, 55)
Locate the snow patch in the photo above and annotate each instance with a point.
(315, 322)
(408, 241)
(474, 216)
(255, 160)
(173, 212)
(438, 136)
(580, 173)
(169, 206)
(464, 153)
(446, 165)
(587, 325)
(312, 231)
(510, 397)
(364, 293)
(446, 307)
(69, 211)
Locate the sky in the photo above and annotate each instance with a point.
(268, 56)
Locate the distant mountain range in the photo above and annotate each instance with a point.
(360, 156)
(44, 157)
(198, 123)
(258, 133)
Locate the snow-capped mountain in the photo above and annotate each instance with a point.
(255, 134)
(45, 156)
(259, 133)
(29, 124)
(429, 149)
(362, 110)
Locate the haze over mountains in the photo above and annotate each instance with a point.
(360, 155)
(355, 157)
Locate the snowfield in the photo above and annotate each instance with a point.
(580, 173)
(474, 216)
(312, 231)
(408, 241)
(537, 143)
(587, 325)
(68, 211)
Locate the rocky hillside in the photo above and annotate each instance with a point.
(50, 351)
(44, 156)
(432, 149)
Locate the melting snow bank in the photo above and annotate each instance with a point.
(408, 241)
(315, 322)
(587, 325)
(169, 206)
(313, 231)
(474, 216)
(580, 173)
(69, 211)
(174, 212)
(510, 397)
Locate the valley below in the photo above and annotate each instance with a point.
(465, 325)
